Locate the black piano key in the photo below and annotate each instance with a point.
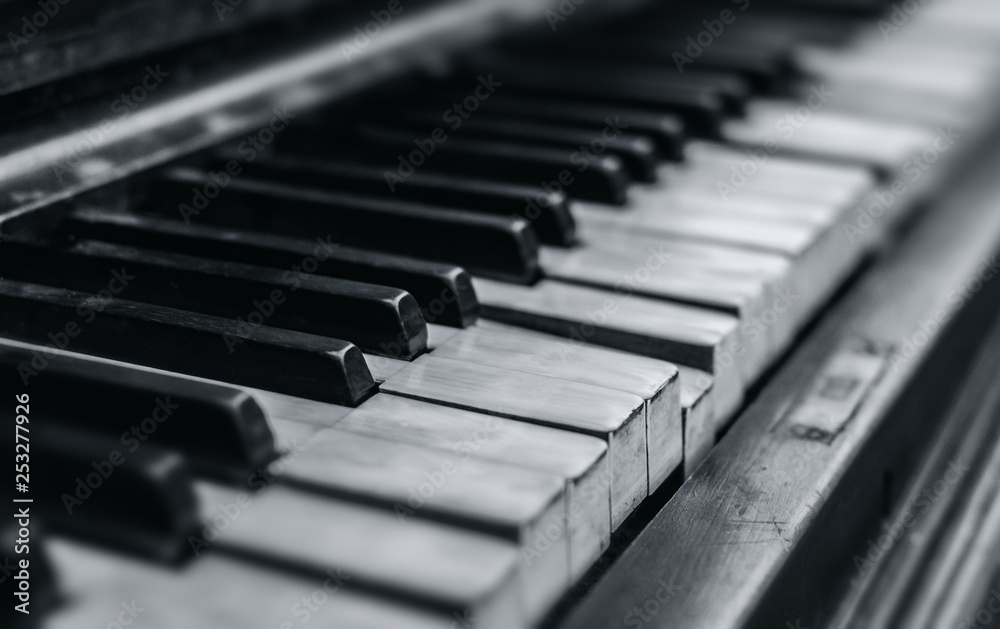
(221, 430)
(702, 108)
(228, 350)
(638, 153)
(766, 69)
(551, 169)
(535, 68)
(140, 501)
(375, 318)
(774, 27)
(665, 129)
(548, 212)
(492, 246)
(443, 291)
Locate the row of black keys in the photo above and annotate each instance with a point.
(477, 204)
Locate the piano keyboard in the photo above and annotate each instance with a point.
(422, 359)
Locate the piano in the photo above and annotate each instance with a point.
(501, 315)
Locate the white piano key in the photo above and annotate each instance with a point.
(830, 186)
(103, 589)
(288, 407)
(417, 482)
(615, 416)
(926, 76)
(683, 335)
(449, 567)
(700, 425)
(579, 459)
(655, 381)
(820, 258)
(827, 133)
(656, 273)
(760, 274)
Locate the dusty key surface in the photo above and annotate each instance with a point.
(700, 421)
(820, 258)
(509, 347)
(615, 416)
(762, 274)
(215, 592)
(417, 482)
(681, 334)
(658, 274)
(580, 460)
(442, 565)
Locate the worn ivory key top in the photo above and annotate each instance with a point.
(655, 381)
(615, 416)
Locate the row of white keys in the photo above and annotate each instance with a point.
(100, 588)
(445, 566)
(653, 381)
(939, 66)
(650, 268)
(546, 490)
(829, 186)
(670, 331)
(614, 416)
(415, 482)
(579, 461)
